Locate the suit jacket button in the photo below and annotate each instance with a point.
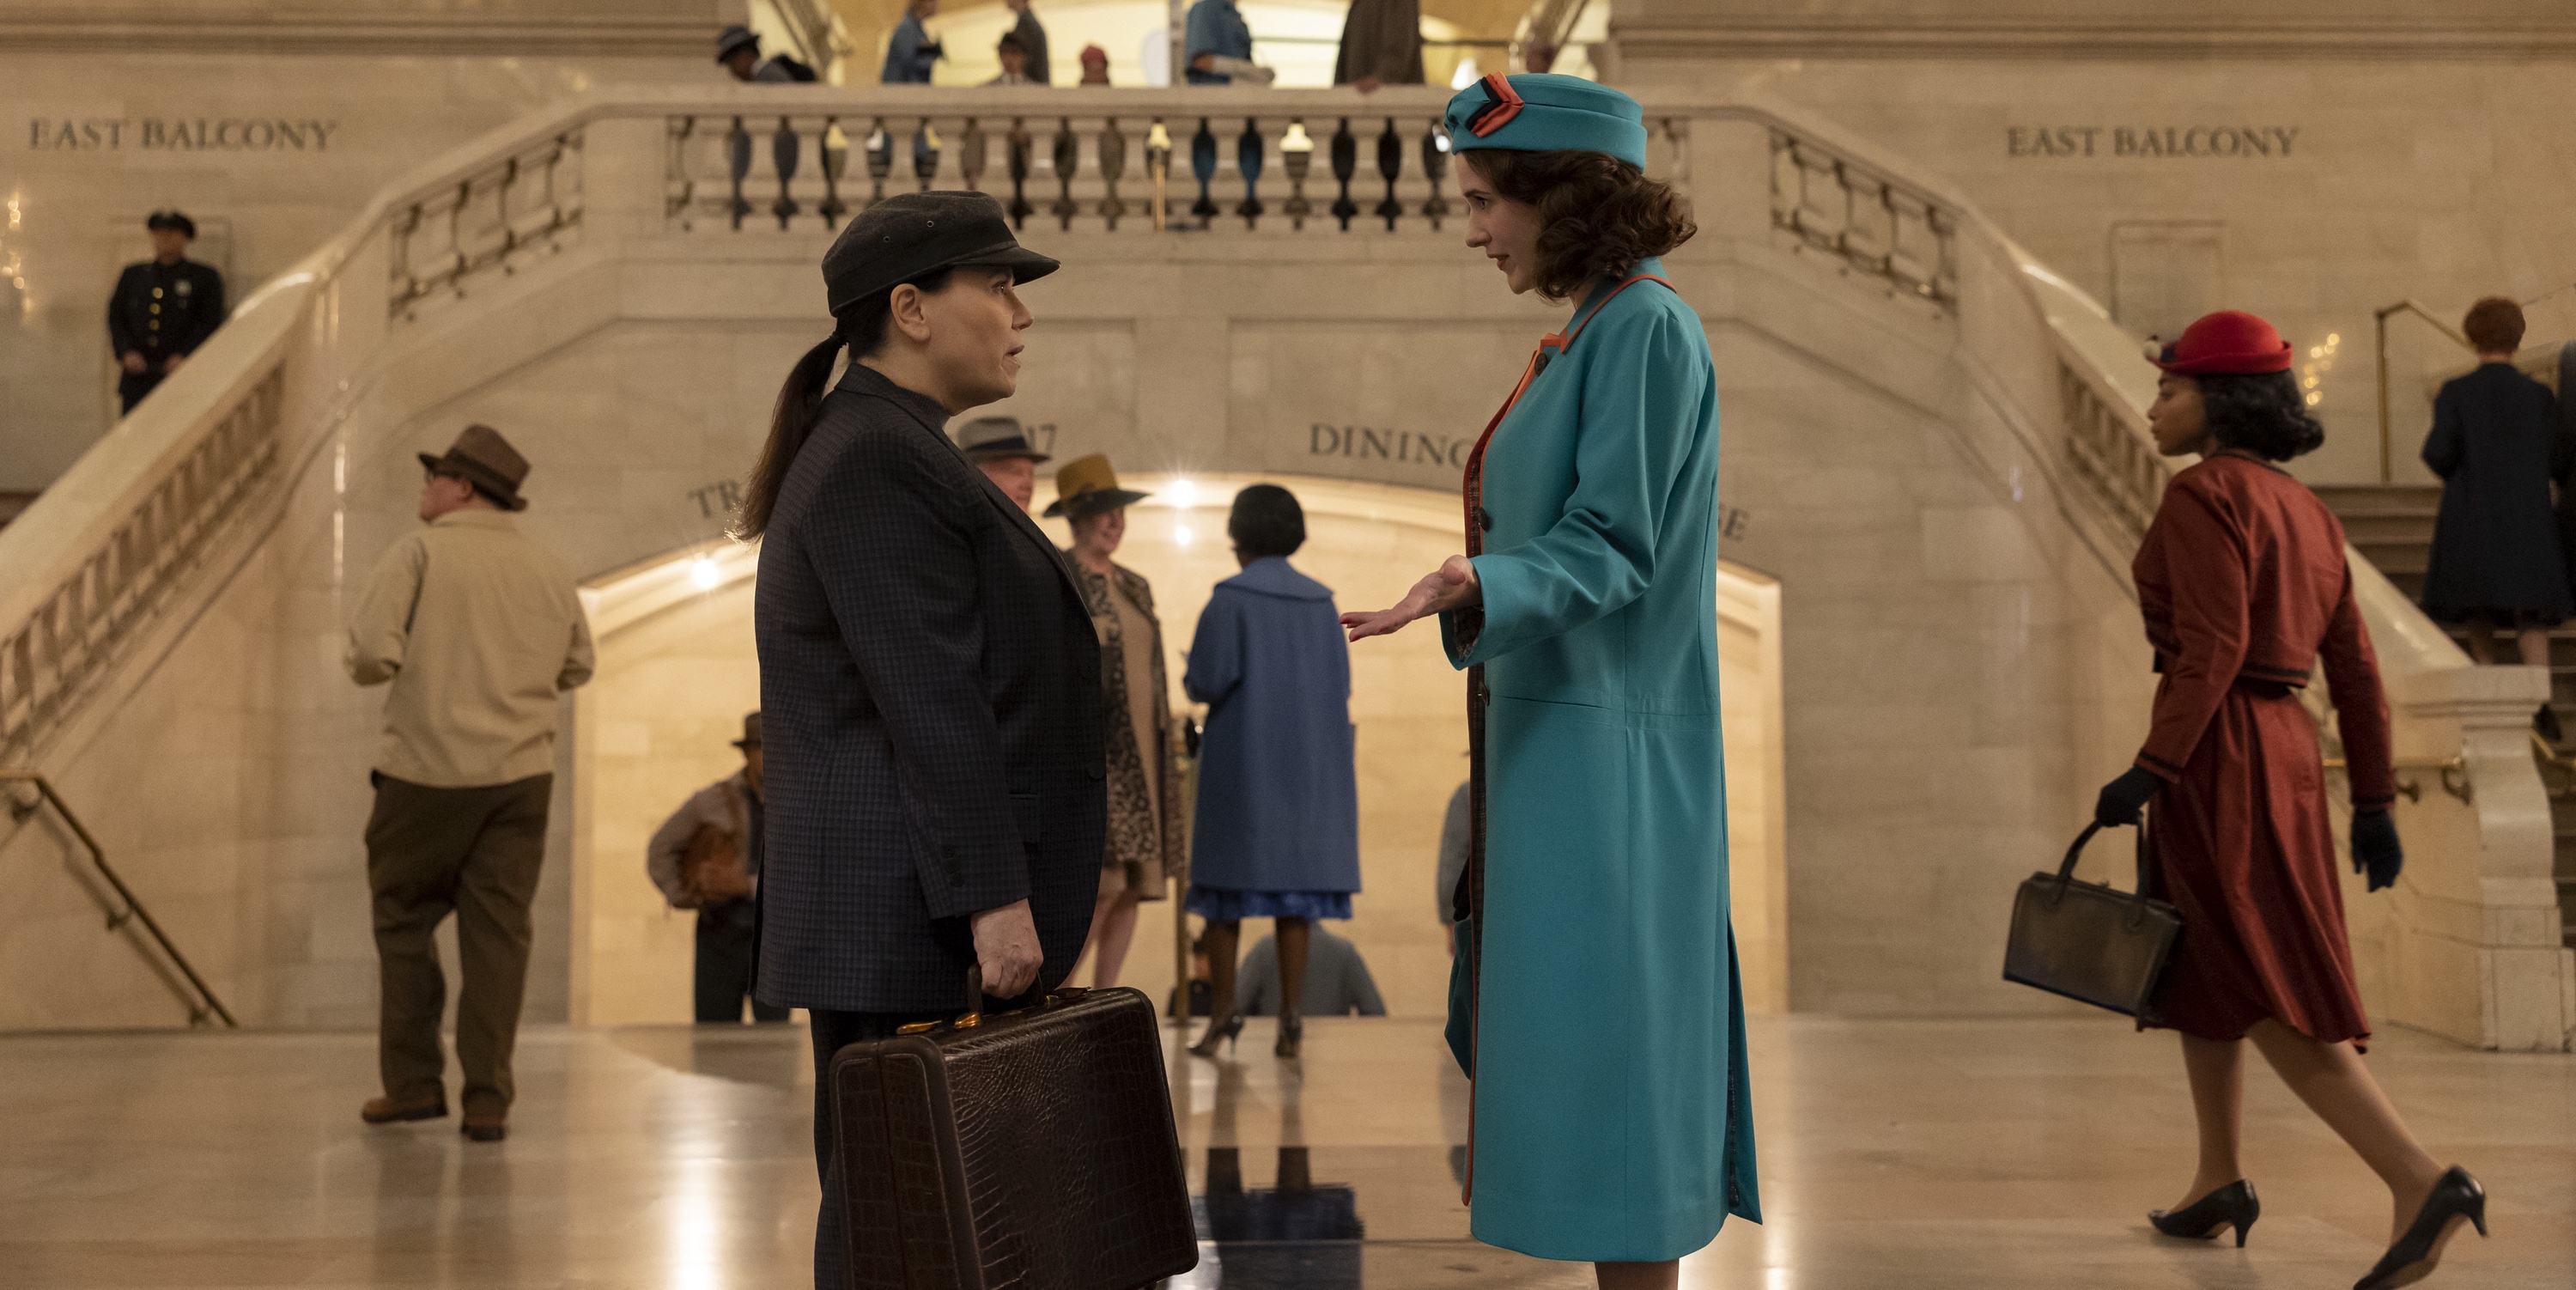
(1095, 772)
(1484, 519)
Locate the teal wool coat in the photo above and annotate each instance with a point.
(1612, 1119)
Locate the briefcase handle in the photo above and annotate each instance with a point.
(974, 1014)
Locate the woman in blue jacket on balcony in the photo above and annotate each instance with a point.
(1595, 1004)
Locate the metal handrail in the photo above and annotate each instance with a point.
(134, 910)
(2379, 321)
(2454, 771)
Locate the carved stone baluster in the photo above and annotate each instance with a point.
(1068, 159)
(1390, 163)
(683, 186)
(1019, 209)
(1346, 163)
(785, 151)
(1203, 169)
(835, 149)
(970, 156)
(1247, 162)
(1112, 146)
(925, 154)
(738, 161)
(880, 160)
(1296, 156)
(1158, 170)
(1435, 163)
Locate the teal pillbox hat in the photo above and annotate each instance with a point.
(1543, 112)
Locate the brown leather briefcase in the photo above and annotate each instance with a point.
(1030, 1149)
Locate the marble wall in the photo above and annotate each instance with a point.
(270, 152)
(2310, 163)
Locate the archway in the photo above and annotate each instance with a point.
(677, 670)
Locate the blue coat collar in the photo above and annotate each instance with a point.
(1272, 576)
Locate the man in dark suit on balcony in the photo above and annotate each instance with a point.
(929, 674)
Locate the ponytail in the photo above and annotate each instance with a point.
(800, 405)
(861, 325)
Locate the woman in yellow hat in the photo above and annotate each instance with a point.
(1145, 843)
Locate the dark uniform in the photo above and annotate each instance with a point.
(161, 311)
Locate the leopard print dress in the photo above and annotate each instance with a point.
(1147, 840)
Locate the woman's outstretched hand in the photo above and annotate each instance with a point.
(1451, 586)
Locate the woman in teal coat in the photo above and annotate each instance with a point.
(1597, 1007)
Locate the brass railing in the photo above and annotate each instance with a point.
(203, 1007)
(526, 203)
(48, 661)
(2454, 771)
(2379, 321)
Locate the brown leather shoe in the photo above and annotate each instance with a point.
(385, 1110)
(481, 1130)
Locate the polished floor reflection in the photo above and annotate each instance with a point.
(1988, 1154)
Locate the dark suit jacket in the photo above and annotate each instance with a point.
(930, 701)
(163, 311)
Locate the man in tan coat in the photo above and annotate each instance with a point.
(729, 809)
(478, 629)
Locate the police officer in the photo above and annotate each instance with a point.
(162, 310)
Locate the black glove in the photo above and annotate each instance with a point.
(2375, 849)
(2124, 797)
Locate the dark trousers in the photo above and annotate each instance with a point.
(132, 386)
(834, 1031)
(724, 963)
(474, 852)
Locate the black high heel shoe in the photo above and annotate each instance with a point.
(1292, 1035)
(1218, 1032)
(2234, 1205)
(2416, 1253)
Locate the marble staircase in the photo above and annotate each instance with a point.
(2392, 525)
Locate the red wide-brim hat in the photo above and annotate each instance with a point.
(2227, 343)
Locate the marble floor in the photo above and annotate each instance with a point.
(1917, 1154)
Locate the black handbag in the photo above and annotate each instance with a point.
(2091, 943)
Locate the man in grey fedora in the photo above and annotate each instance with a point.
(478, 629)
(1001, 449)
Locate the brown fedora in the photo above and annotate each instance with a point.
(481, 457)
(1088, 486)
(750, 732)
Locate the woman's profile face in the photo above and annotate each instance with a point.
(1505, 230)
(2178, 419)
(974, 335)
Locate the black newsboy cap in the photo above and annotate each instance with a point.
(910, 234)
(160, 220)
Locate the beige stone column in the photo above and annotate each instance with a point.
(2472, 937)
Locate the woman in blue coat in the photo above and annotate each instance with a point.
(1278, 828)
(1597, 1007)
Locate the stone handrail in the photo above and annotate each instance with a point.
(99, 561)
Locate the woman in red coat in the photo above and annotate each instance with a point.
(2242, 582)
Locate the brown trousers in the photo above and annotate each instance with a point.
(474, 852)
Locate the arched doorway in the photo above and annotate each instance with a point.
(677, 671)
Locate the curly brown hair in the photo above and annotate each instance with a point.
(2494, 325)
(1599, 216)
